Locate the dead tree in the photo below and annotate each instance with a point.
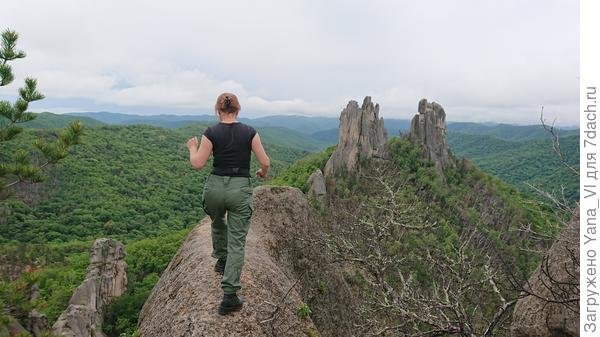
(460, 286)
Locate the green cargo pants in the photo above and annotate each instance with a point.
(228, 202)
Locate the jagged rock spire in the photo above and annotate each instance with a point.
(106, 279)
(428, 127)
(361, 135)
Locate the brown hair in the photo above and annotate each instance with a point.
(227, 103)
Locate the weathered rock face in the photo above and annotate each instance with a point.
(106, 279)
(316, 185)
(428, 127)
(184, 302)
(361, 135)
(536, 317)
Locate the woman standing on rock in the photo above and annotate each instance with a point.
(227, 196)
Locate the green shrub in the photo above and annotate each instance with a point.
(303, 311)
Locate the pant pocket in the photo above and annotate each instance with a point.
(204, 206)
(251, 206)
(248, 191)
(204, 194)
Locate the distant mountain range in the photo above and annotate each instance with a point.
(324, 129)
(298, 123)
(48, 120)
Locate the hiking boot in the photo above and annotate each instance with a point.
(230, 303)
(220, 266)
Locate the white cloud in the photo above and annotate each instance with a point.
(184, 88)
(495, 60)
(286, 107)
(63, 84)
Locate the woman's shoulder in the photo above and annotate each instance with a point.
(245, 126)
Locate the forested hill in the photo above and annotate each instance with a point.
(128, 182)
(508, 131)
(522, 162)
(48, 120)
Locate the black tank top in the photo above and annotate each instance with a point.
(232, 144)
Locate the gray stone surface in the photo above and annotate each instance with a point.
(361, 135)
(536, 316)
(106, 279)
(316, 185)
(428, 127)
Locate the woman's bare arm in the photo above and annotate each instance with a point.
(199, 155)
(261, 155)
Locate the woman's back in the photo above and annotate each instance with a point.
(232, 145)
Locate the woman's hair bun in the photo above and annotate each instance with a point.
(227, 103)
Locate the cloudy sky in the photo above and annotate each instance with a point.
(482, 60)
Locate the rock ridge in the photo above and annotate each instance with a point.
(185, 299)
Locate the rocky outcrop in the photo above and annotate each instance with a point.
(316, 185)
(428, 127)
(184, 302)
(37, 323)
(361, 135)
(106, 279)
(536, 316)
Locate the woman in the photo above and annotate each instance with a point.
(227, 196)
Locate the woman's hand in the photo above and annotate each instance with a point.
(262, 157)
(192, 143)
(261, 174)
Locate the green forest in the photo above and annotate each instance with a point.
(134, 183)
(520, 162)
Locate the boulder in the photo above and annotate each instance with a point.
(539, 316)
(37, 323)
(316, 185)
(106, 279)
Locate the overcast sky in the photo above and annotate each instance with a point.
(481, 60)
